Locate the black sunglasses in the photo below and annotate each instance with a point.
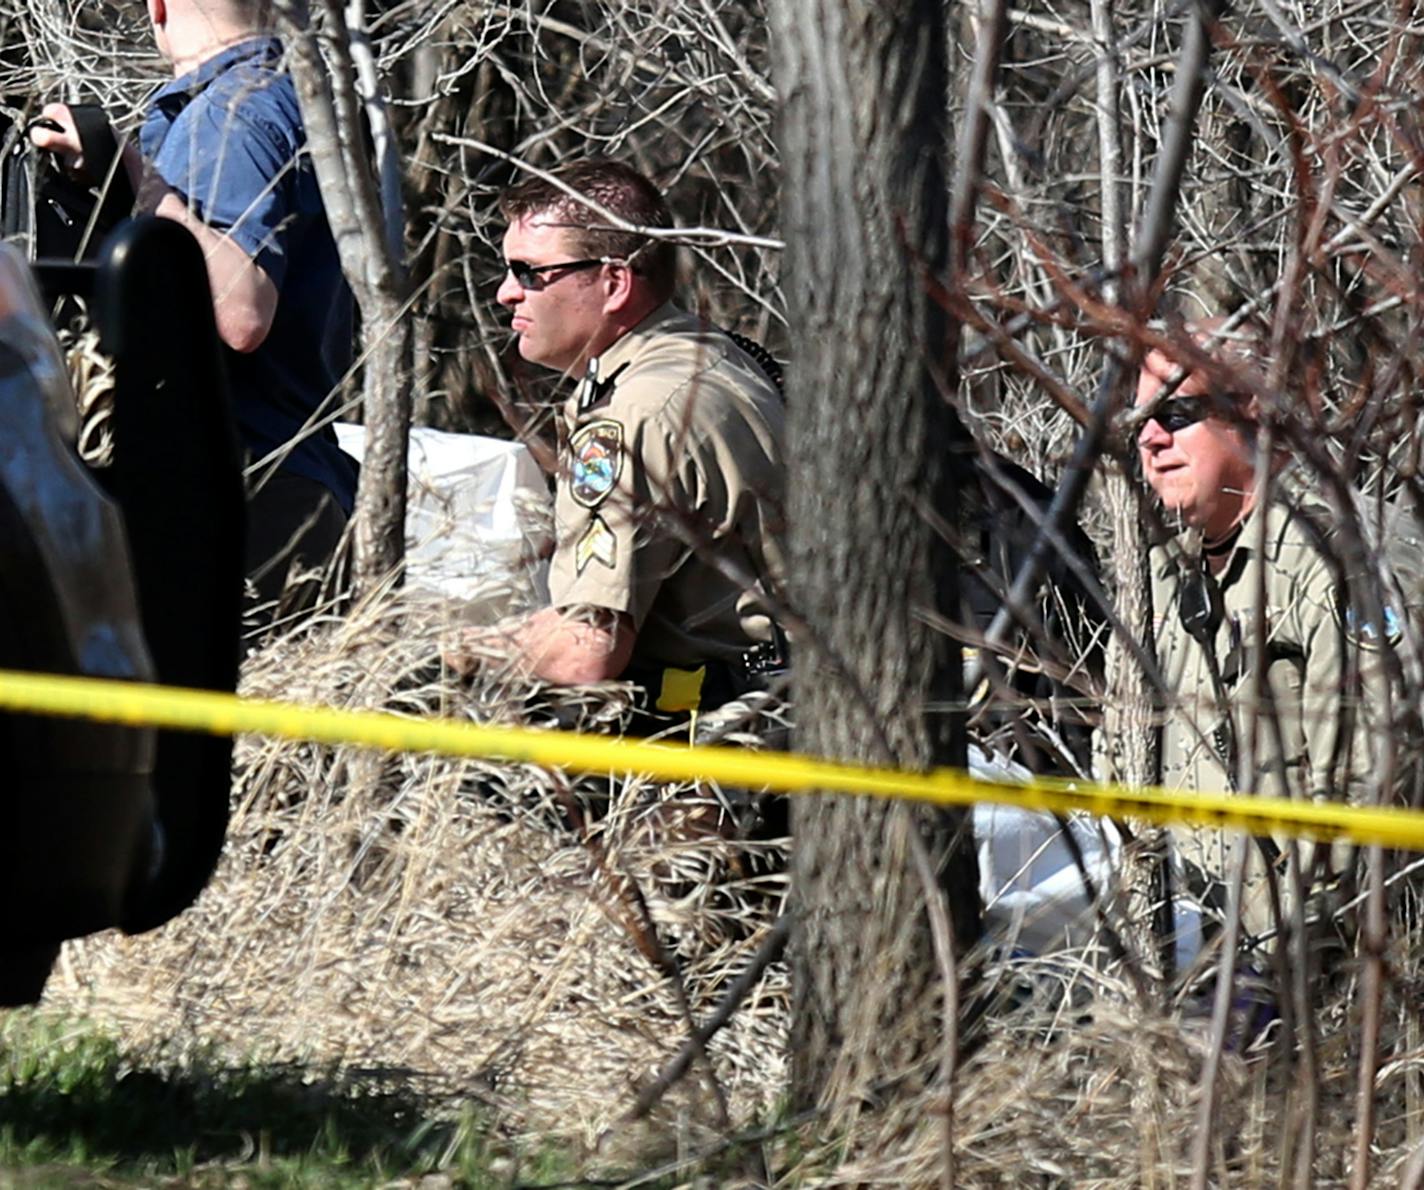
(530, 276)
(1177, 413)
(1180, 412)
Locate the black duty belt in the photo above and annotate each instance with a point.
(675, 690)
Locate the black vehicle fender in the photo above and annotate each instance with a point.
(177, 477)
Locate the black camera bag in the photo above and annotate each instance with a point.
(46, 212)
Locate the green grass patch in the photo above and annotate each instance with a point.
(75, 1110)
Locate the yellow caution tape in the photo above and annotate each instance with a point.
(226, 714)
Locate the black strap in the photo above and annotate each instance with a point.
(1201, 609)
(56, 215)
(1219, 549)
(16, 185)
(1200, 606)
(103, 167)
(764, 359)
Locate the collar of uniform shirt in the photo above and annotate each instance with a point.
(1217, 549)
(626, 347)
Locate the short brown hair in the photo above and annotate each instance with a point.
(618, 188)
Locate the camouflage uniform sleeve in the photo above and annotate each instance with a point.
(620, 485)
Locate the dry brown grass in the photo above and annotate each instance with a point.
(438, 923)
(435, 919)
(1080, 1083)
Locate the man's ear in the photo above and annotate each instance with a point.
(619, 288)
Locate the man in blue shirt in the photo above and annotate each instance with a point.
(223, 152)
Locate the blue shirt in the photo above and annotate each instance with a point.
(228, 138)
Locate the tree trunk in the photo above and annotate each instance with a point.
(386, 411)
(332, 112)
(865, 216)
(1130, 750)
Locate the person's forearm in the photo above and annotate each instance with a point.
(573, 650)
(244, 298)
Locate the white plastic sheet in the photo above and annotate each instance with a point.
(478, 520)
(1034, 897)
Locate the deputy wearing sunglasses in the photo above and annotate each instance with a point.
(1249, 523)
(670, 486)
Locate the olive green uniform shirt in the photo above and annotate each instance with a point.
(670, 502)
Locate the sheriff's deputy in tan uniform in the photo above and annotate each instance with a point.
(669, 498)
(1250, 572)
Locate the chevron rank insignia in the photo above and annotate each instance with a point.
(596, 461)
(597, 544)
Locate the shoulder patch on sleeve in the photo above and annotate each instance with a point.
(1366, 633)
(595, 461)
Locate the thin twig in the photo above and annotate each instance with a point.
(942, 936)
(695, 1046)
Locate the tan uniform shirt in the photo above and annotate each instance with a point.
(1303, 635)
(1308, 727)
(672, 468)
